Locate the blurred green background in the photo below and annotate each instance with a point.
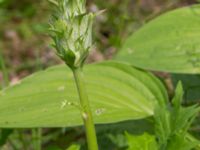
(24, 41)
(25, 48)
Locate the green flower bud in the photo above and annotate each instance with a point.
(71, 30)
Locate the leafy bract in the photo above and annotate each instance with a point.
(168, 43)
(117, 92)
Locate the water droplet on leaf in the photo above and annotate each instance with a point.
(61, 88)
(44, 110)
(100, 111)
(130, 51)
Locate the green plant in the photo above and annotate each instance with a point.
(4, 70)
(72, 35)
(111, 91)
(172, 122)
(169, 43)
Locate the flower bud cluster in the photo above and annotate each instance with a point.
(71, 30)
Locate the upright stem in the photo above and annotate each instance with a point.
(4, 70)
(37, 138)
(38, 131)
(21, 138)
(86, 111)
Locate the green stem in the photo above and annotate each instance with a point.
(14, 147)
(37, 138)
(21, 138)
(86, 111)
(4, 70)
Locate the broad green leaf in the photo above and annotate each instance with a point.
(117, 92)
(168, 43)
(142, 142)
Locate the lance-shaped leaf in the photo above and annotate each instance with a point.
(168, 43)
(117, 92)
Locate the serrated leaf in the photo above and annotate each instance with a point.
(182, 117)
(162, 124)
(176, 101)
(111, 136)
(185, 118)
(168, 43)
(117, 92)
(142, 142)
(191, 85)
(179, 142)
(74, 147)
(173, 121)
